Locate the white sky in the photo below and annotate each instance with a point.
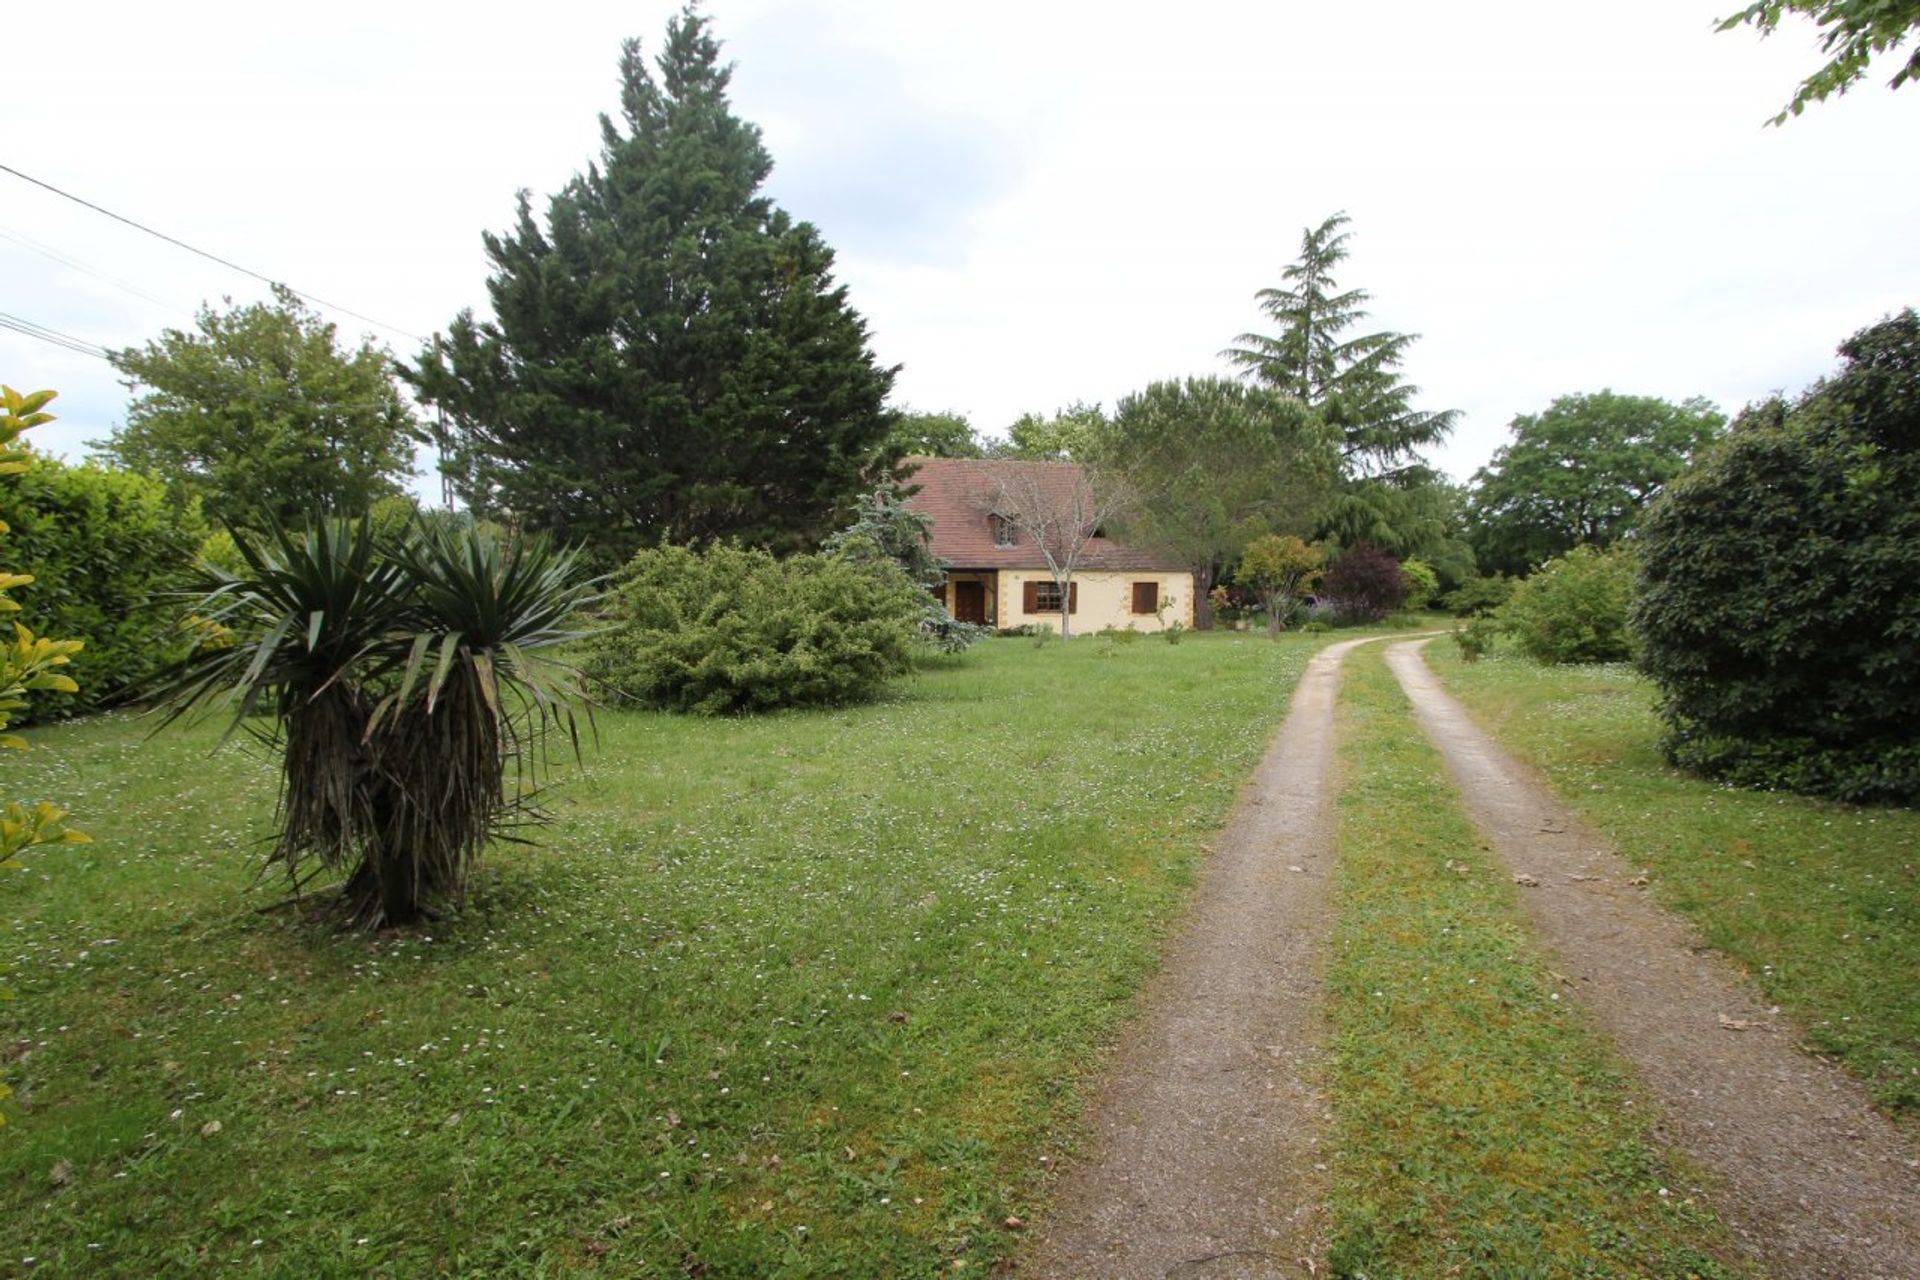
(1032, 202)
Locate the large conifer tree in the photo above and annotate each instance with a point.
(1353, 382)
(1387, 494)
(669, 356)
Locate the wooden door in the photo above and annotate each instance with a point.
(970, 601)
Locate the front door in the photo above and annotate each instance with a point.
(970, 601)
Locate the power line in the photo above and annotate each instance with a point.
(74, 264)
(211, 257)
(21, 325)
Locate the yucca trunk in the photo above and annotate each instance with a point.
(438, 793)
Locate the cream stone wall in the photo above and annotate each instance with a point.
(1106, 600)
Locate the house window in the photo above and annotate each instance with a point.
(1044, 597)
(1146, 597)
(1004, 534)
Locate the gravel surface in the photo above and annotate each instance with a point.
(1206, 1159)
(1810, 1177)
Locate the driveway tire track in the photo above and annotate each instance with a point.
(1207, 1156)
(1813, 1179)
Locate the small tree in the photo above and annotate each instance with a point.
(1061, 508)
(1277, 569)
(263, 417)
(401, 682)
(1366, 584)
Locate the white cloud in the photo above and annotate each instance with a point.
(1033, 203)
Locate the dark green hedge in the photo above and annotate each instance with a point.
(105, 547)
(1779, 595)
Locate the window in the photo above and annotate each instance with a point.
(1044, 597)
(1004, 534)
(1146, 597)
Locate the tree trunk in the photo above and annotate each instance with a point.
(1203, 597)
(1066, 606)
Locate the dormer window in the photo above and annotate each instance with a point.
(1004, 532)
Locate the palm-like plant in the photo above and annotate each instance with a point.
(401, 681)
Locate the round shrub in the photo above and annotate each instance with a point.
(106, 548)
(1778, 610)
(1423, 584)
(1574, 609)
(732, 629)
(1364, 583)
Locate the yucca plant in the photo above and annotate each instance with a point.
(401, 679)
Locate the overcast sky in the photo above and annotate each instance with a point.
(1033, 203)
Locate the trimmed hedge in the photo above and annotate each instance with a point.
(1779, 608)
(106, 548)
(732, 629)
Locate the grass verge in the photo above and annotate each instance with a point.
(1819, 902)
(806, 994)
(1482, 1127)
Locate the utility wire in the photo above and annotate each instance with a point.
(211, 257)
(74, 264)
(21, 325)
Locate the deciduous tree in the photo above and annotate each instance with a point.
(1060, 509)
(947, 434)
(1213, 463)
(1579, 473)
(1061, 437)
(668, 354)
(1853, 32)
(262, 415)
(1277, 569)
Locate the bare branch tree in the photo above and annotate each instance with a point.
(1062, 508)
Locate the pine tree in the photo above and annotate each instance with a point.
(1354, 383)
(669, 356)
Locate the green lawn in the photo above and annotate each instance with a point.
(1482, 1126)
(1820, 902)
(800, 995)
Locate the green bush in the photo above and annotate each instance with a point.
(107, 550)
(1476, 636)
(1574, 609)
(1423, 584)
(733, 629)
(1478, 596)
(1777, 610)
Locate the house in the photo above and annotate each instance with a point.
(997, 572)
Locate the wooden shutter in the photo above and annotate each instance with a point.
(1146, 597)
(1073, 596)
(1030, 597)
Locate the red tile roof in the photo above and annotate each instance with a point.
(955, 492)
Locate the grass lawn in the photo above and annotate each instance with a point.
(1819, 901)
(1482, 1126)
(801, 995)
